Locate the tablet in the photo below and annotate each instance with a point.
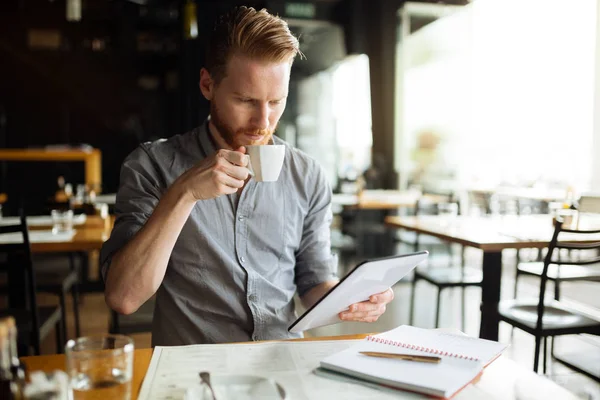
(366, 279)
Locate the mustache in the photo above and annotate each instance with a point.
(251, 131)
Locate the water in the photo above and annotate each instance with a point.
(116, 387)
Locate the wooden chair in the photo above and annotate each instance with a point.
(544, 319)
(34, 323)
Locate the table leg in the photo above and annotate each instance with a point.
(490, 294)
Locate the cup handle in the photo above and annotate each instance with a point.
(249, 166)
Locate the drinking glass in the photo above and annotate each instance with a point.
(100, 367)
(62, 221)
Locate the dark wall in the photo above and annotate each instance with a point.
(120, 76)
(105, 83)
(124, 74)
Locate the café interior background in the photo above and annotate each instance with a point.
(449, 96)
(441, 95)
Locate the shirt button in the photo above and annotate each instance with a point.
(242, 260)
(241, 218)
(255, 337)
(252, 297)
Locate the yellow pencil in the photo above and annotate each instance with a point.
(398, 356)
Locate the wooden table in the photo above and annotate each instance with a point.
(92, 159)
(491, 235)
(370, 207)
(503, 379)
(384, 199)
(540, 194)
(141, 361)
(89, 236)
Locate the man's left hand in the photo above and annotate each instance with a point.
(369, 310)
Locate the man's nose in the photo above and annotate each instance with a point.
(261, 116)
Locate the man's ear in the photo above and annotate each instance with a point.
(206, 84)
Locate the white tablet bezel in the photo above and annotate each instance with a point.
(368, 278)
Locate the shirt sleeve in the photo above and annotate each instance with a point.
(138, 195)
(315, 263)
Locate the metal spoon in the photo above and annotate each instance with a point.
(205, 378)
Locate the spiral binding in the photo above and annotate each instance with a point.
(420, 348)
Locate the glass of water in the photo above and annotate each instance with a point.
(62, 221)
(100, 367)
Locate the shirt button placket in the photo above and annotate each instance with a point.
(252, 299)
(239, 229)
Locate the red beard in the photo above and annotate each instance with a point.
(237, 138)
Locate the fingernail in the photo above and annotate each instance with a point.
(374, 299)
(353, 308)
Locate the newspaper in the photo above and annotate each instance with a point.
(174, 369)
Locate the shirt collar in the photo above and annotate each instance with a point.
(206, 141)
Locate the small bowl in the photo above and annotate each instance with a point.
(238, 387)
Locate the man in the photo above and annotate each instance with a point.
(224, 253)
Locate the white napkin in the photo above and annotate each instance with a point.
(41, 220)
(41, 236)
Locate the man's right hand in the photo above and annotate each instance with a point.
(222, 173)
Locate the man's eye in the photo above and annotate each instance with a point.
(246, 100)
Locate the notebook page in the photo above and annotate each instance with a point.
(443, 379)
(483, 350)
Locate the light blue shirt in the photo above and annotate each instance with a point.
(239, 259)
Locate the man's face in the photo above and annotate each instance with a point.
(246, 105)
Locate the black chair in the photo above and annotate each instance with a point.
(60, 281)
(34, 323)
(448, 276)
(565, 271)
(556, 273)
(545, 319)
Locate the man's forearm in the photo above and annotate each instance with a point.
(314, 294)
(137, 270)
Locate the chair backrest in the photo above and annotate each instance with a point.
(428, 203)
(573, 239)
(19, 269)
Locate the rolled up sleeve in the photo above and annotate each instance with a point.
(315, 263)
(138, 195)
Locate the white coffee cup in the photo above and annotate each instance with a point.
(265, 161)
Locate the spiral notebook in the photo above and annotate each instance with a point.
(463, 359)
